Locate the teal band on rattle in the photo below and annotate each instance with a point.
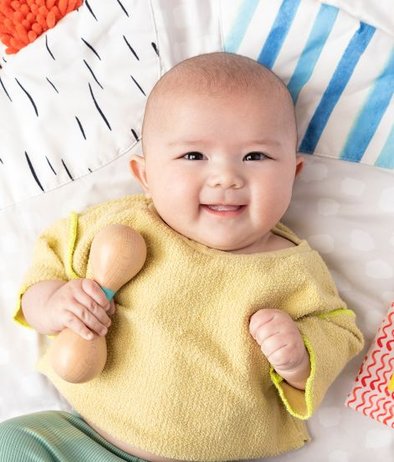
(108, 293)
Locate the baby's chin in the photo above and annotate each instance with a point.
(226, 246)
(217, 241)
(214, 244)
(222, 248)
(254, 244)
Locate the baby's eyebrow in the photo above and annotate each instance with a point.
(199, 142)
(186, 142)
(265, 142)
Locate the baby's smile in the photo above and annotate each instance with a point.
(224, 210)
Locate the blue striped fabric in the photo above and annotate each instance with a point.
(278, 33)
(386, 157)
(320, 31)
(338, 82)
(245, 14)
(371, 114)
(328, 64)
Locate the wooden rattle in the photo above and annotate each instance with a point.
(117, 254)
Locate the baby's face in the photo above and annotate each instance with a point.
(220, 170)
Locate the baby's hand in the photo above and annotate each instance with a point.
(82, 306)
(282, 344)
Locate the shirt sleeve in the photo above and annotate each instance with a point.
(52, 259)
(331, 338)
(331, 341)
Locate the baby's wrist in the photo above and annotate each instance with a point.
(297, 376)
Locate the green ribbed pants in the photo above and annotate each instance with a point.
(55, 436)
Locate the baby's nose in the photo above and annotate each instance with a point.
(226, 178)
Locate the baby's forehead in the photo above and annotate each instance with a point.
(217, 75)
(187, 96)
(214, 80)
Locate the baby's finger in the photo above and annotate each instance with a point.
(98, 311)
(259, 319)
(93, 289)
(112, 308)
(93, 317)
(77, 326)
(271, 345)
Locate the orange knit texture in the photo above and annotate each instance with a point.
(22, 21)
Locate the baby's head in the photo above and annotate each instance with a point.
(219, 140)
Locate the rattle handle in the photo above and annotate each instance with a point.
(109, 293)
(77, 360)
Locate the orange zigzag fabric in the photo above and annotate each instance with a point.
(22, 21)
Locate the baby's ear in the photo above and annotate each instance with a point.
(137, 167)
(299, 164)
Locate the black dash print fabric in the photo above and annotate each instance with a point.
(73, 100)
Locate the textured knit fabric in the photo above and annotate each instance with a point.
(184, 378)
(55, 436)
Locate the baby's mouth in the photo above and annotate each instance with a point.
(223, 209)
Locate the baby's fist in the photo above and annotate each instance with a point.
(281, 343)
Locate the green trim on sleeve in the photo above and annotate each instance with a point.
(73, 235)
(298, 403)
(17, 315)
(336, 312)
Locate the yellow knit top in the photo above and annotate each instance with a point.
(184, 378)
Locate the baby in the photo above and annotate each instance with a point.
(232, 332)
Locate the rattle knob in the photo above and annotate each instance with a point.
(77, 360)
(117, 254)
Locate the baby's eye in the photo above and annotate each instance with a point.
(255, 156)
(193, 156)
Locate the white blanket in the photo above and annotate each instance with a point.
(70, 118)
